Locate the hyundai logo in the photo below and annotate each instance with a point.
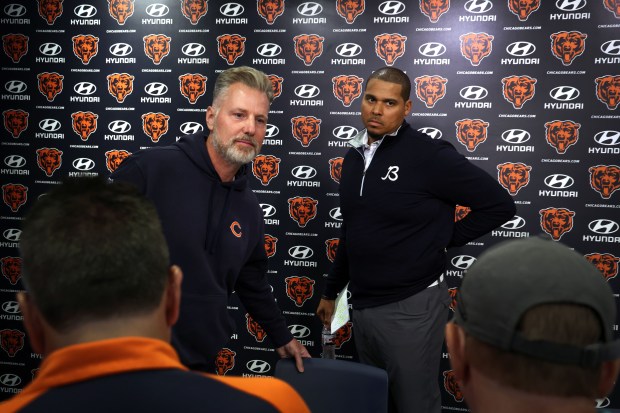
(307, 91)
(269, 50)
(50, 49)
(335, 214)
(189, 128)
(348, 49)
(258, 366)
(462, 262)
(434, 133)
(271, 131)
(611, 47)
(309, 9)
(570, 5)
(303, 172)
(559, 181)
(478, 6)
(520, 49)
(608, 137)
(120, 49)
(391, 8)
(344, 132)
(12, 234)
(156, 89)
(298, 331)
(473, 93)
(232, 9)
(49, 125)
(84, 88)
(14, 10)
(157, 10)
(516, 136)
(15, 86)
(602, 403)
(564, 93)
(432, 49)
(11, 307)
(300, 252)
(15, 161)
(268, 210)
(193, 49)
(83, 164)
(515, 223)
(85, 11)
(10, 380)
(603, 226)
(119, 126)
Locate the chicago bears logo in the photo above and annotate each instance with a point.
(331, 248)
(350, 9)
(308, 47)
(461, 212)
(15, 195)
(156, 47)
(49, 160)
(231, 47)
(607, 264)
(476, 46)
(120, 85)
(513, 176)
(193, 10)
(11, 269)
(605, 179)
(434, 9)
(299, 289)
(276, 83)
(15, 46)
(335, 168)
(306, 129)
(608, 90)
(50, 10)
(192, 85)
(613, 6)
(561, 134)
(390, 47)
(556, 221)
(270, 9)
(50, 84)
(518, 90)
(471, 132)
(85, 47)
(255, 329)
(347, 88)
(155, 125)
(270, 245)
(343, 334)
(84, 124)
(302, 209)
(114, 157)
(430, 89)
(224, 361)
(453, 293)
(566, 46)
(120, 10)
(451, 386)
(15, 121)
(12, 341)
(523, 8)
(265, 168)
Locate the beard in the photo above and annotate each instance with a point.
(233, 154)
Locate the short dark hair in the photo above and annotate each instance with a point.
(93, 250)
(393, 75)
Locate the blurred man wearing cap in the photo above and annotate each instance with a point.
(533, 331)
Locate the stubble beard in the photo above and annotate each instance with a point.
(231, 153)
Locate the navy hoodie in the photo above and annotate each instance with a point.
(215, 233)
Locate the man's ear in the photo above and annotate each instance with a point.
(407, 107)
(607, 380)
(455, 342)
(33, 322)
(210, 117)
(173, 294)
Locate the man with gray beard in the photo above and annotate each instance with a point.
(212, 220)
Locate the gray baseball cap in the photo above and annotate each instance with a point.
(514, 276)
